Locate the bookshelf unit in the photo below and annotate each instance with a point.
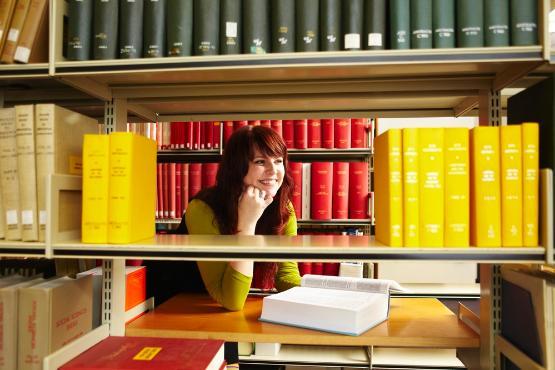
(388, 83)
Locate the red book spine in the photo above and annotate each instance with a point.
(209, 171)
(327, 133)
(358, 190)
(342, 133)
(228, 130)
(189, 135)
(314, 133)
(296, 172)
(172, 190)
(288, 133)
(331, 268)
(195, 181)
(196, 135)
(184, 187)
(238, 124)
(216, 134)
(265, 123)
(159, 135)
(321, 176)
(277, 127)
(304, 268)
(300, 134)
(159, 191)
(340, 190)
(166, 185)
(358, 132)
(173, 135)
(317, 268)
(202, 130)
(208, 134)
(254, 122)
(178, 200)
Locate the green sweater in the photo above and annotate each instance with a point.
(226, 285)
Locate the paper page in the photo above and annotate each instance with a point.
(348, 283)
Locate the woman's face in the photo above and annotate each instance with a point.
(265, 173)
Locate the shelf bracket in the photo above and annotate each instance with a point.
(490, 108)
(113, 295)
(490, 313)
(369, 351)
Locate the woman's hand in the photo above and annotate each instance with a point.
(252, 204)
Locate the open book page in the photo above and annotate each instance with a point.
(349, 283)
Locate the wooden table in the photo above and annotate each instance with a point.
(413, 322)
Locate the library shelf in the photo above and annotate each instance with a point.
(413, 322)
(16, 71)
(287, 248)
(22, 249)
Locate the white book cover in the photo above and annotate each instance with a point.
(306, 192)
(330, 303)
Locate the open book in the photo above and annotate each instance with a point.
(331, 303)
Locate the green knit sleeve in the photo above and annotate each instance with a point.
(225, 285)
(287, 275)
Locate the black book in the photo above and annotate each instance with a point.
(154, 33)
(524, 22)
(256, 26)
(206, 22)
(352, 13)
(421, 24)
(131, 29)
(230, 27)
(470, 23)
(330, 25)
(105, 29)
(79, 33)
(179, 28)
(496, 22)
(307, 25)
(283, 26)
(443, 22)
(399, 24)
(374, 24)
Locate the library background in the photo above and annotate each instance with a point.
(420, 142)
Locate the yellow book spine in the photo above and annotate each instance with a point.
(457, 183)
(511, 185)
(410, 188)
(388, 207)
(432, 186)
(485, 189)
(96, 153)
(530, 183)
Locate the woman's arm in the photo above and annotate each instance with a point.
(287, 275)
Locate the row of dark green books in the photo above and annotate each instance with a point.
(111, 29)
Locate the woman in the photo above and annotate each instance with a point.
(251, 196)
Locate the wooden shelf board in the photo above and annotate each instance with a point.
(10, 248)
(16, 71)
(413, 322)
(278, 248)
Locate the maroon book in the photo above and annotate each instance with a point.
(189, 135)
(216, 134)
(331, 268)
(277, 127)
(182, 135)
(358, 190)
(195, 181)
(254, 122)
(265, 123)
(238, 124)
(209, 171)
(314, 134)
(317, 268)
(134, 353)
(178, 192)
(202, 130)
(166, 187)
(288, 133)
(296, 173)
(321, 175)
(196, 135)
(300, 136)
(208, 134)
(184, 187)
(173, 134)
(342, 133)
(228, 130)
(340, 198)
(358, 133)
(172, 198)
(159, 191)
(304, 268)
(327, 133)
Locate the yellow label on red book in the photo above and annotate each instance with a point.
(147, 353)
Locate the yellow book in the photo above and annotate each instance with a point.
(410, 188)
(388, 193)
(511, 185)
(96, 164)
(485, 189)
(457, 183)
(530, 171)
(132, 193)
(432, 187)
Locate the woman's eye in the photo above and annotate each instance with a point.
(259, 161)
(279, 161)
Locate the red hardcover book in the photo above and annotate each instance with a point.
(326, 126)
(358, 190)
(238, 124)
(166, 187)
(340, 198)
(296, 173)
(228, 130)
(173, 134)
(208, 135)
(216, 134)
(188, 135)
(133, 353)
(159, 135)
(196, 135)
(171, 169)
(159, 191)
(254, 122)
(304, 268)
(300, 136)
(184, 187)
(317, 268)
(358, 133)
(209, 171)
(178, 200)
(321, 175)
(288, 133)
(265, 123)
(182, 134)
(314, 133)
(342, 133)
(277, 127)
(202, 130)
(331, 268)
(195, 181)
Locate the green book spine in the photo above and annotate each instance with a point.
(179, 28)
(330, 25)
(307, 25)
(421, 24)
(524, 22)
(374, 24)
(352, 12)
(443, 22)
(283, 26)
(154, 34)
(79, 33)
(230, 27)
(256, 26)
(496, 22)
(399, 23)
(105, 29)
(130, 29)
(206, 23)
(470, 21)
